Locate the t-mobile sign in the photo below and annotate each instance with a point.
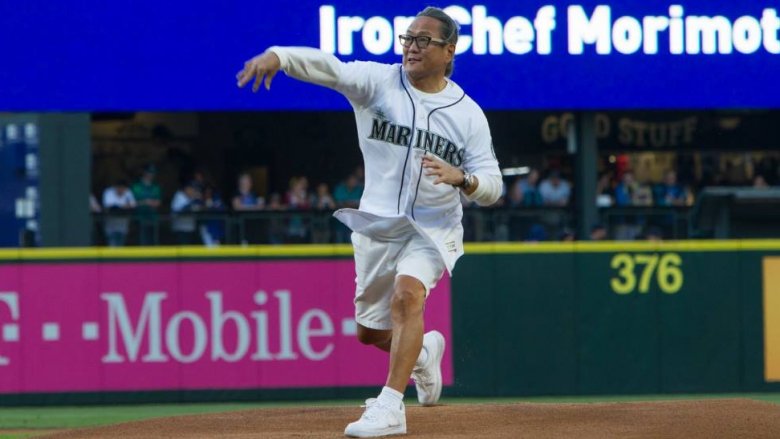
(188, 325)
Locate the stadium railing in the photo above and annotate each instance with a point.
(319, 227)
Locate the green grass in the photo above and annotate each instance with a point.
(73, 417)
(56, 418)
(33, 418)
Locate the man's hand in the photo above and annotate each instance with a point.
(444, 172)
(265, 65)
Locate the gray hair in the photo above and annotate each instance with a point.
(449, 30)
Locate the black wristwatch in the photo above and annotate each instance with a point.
(466, 184)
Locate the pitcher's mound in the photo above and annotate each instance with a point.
(670, 419)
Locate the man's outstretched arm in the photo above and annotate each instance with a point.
(355, 80)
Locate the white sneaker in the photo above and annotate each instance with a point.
(378, 420)
(427, 377)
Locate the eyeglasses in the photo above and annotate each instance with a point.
(422, 41)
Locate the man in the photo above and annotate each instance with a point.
(148, 198)
(117, 200)
(599, 232)
(554, 190)
(185, 200)
(423, 143)
(347, 194)
(668, 192)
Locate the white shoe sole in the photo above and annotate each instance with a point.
(437, 370)
(390, 431)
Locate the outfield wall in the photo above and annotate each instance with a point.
(183, 324)
(618, 318)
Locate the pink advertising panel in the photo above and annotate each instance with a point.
(131, 326)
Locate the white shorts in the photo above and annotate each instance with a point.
(378, 263)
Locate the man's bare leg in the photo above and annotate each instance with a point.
(407, 335)
(404, 341)
(386, 414)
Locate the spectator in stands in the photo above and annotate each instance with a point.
(246, 199)
(200, 181)
(598, 232)
(148, 198)
(185, 200)
(630, 193)
(769, 168)
(669, 193)
(211, 199)
(653, 233)
(275, 202)
(643, 194)
(514, 196)
(347, 194)
(212, 230)
(118, 202)
(525, 191)
(626, 190)
(566, 235)
(760, 182)
(554, 190)
(604, 190)
(297, 198)
(322, 201)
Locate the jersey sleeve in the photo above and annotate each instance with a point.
(480, 160)
(357, 80)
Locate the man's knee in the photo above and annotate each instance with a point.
(407, 300)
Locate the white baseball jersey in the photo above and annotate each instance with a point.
(398, 124)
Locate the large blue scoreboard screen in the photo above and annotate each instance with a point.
(174, 55)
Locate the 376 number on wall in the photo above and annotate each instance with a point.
(636, 272)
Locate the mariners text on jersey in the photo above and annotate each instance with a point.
(396, 134)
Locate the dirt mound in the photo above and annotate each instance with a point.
(733, 418)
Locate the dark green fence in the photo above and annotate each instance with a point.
(612, 318)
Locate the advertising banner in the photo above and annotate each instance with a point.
(132, 326)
